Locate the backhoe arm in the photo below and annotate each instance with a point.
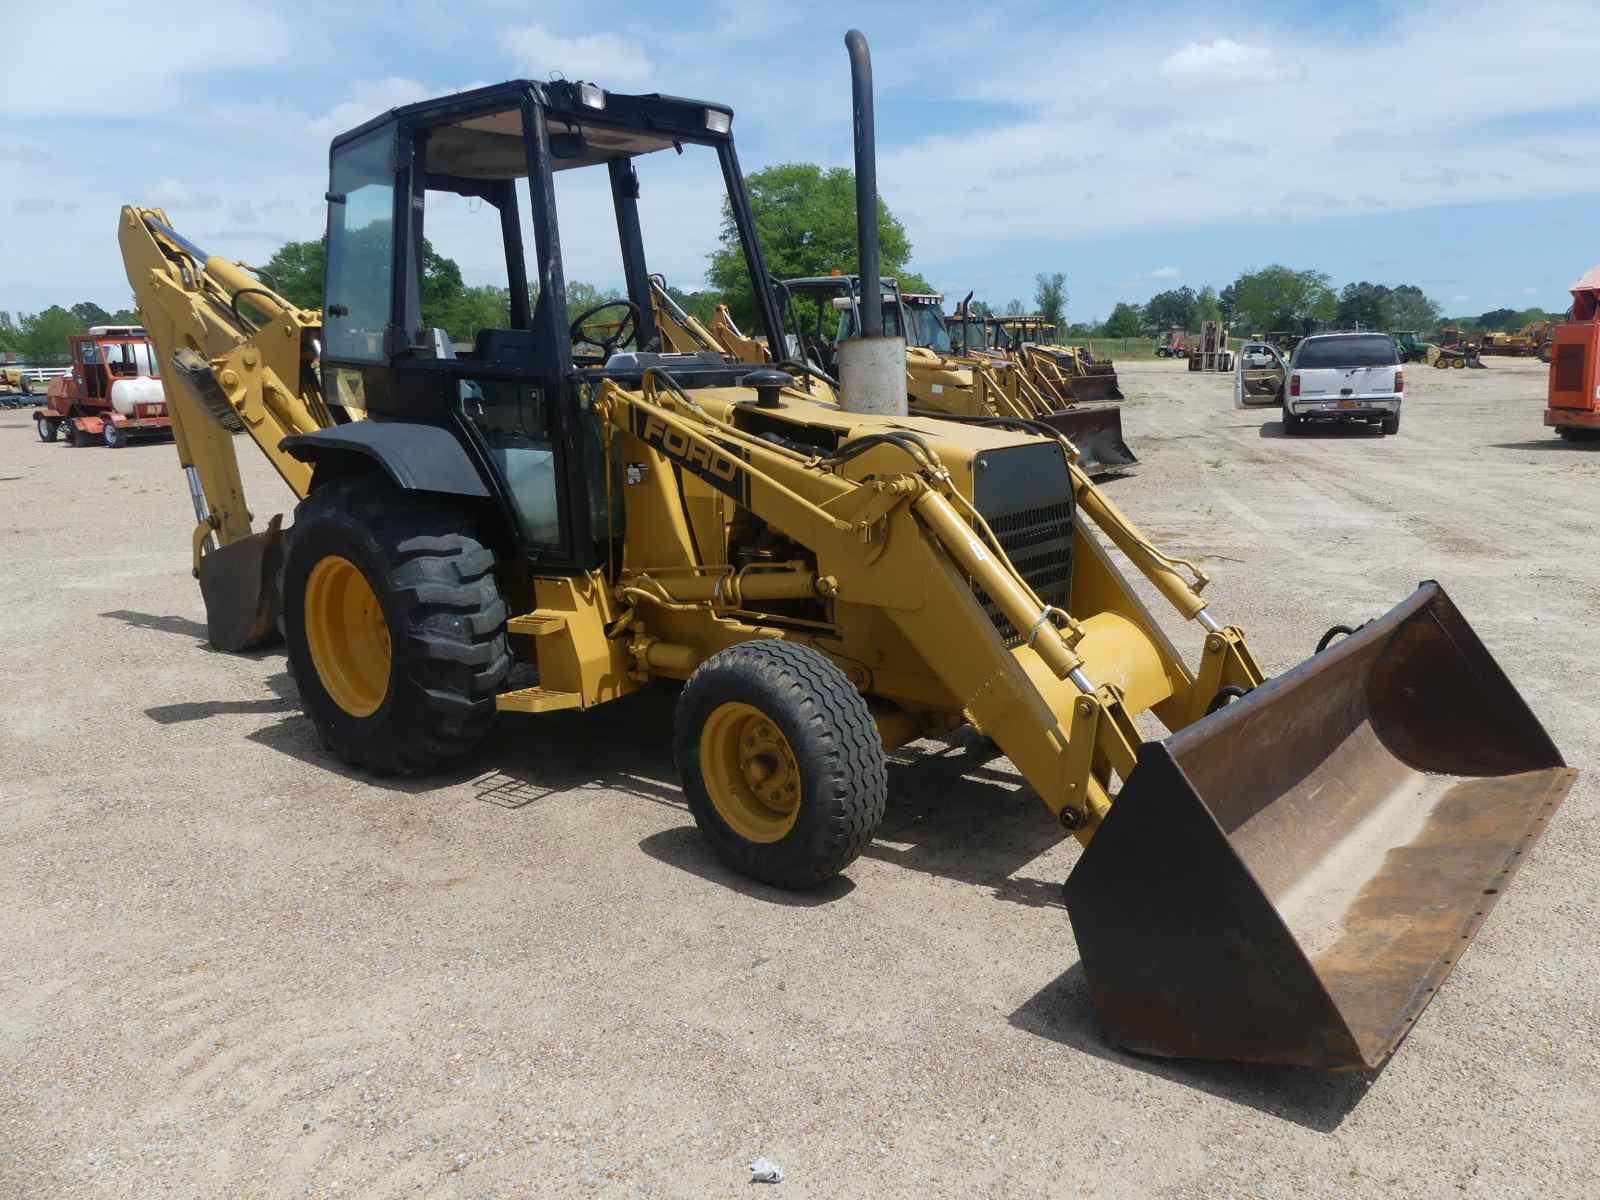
(235, 356)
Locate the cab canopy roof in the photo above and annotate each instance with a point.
(479, 134)
(834, 283)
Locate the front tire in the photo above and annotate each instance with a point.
(394, 624)
(781, 762)
(116, 439)
(46, 429)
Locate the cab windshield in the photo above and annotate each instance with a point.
(927, 328)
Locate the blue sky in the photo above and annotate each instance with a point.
(1132, 147)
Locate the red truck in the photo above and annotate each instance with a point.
(111, 393)
(1573, 409)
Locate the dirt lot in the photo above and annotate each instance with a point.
(232, 968)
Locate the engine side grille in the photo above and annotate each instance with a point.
(1025, 495)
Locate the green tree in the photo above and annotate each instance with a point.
(1125, 321)
(1365, 305)
(1499, 318)
(1410, 308)
(1207, 307)
(1014, 308)
(44, 334)
(90, 313)
(1173, 307)
(805, 217)
(295, 272)
(10, 335)
(1278, 298)
(1050, 296)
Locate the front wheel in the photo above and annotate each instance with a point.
(46, 429)
(394, 623)
(115, 438)
(1391, 423)
(781, 761)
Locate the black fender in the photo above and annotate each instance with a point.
(418, 458)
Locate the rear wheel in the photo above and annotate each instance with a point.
(46, 428)
(394, 623)
(114, 437)
(1291, 422)
(1391, 423)
(781, 761)
(1458, 364)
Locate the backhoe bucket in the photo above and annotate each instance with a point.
(239, 583)
(1096, 430)
(1291, 879)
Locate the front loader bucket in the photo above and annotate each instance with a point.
(1291, 879)
(1096, 429)
(1097, 385)
(239, 583)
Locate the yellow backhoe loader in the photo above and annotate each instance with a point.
(1286, 878)
(823, 311)
(1071, 371)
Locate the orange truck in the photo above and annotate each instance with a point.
(1573, 406)
(111, 393)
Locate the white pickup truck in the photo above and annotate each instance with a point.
(1330, 377)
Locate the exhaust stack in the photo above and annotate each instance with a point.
(872, 367)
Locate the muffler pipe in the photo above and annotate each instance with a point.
(872, 367)
(866, 138)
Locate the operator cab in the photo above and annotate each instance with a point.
(814, 303)
(517, 390)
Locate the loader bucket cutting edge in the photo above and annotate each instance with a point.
(239, 584)
(1097, 432)
(1291, 879)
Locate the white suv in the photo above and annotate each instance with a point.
(1344, 377)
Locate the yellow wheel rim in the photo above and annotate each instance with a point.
(347, 635)
(750, 771)
(1458, 364)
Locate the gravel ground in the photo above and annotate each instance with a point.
(232, 968)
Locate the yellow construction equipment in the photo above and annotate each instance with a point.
(1071, 371)
(1286, 878)
(978, 385)
(940, 380)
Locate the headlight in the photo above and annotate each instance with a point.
(591, 95)
(718, 121)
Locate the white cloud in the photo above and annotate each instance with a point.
(603, 58)
(367, 100)
(1223, 61)
(95, 59)
(1102, 158)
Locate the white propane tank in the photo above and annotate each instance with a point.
(872, 375)
(125, 393)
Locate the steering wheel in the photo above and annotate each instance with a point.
(624, 330)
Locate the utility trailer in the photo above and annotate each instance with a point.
(112, 392)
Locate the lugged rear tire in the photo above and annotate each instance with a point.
(1291, 422)
(826, 786)
(1391, 423)
(419, 691)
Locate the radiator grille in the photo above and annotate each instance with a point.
(1038, 541)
